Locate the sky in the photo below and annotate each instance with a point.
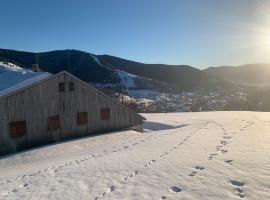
(200, 33)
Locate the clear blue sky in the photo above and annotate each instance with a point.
(200, 33)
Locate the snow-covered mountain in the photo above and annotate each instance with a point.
(13, 77)
(207, 156)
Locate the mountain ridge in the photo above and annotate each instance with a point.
(103, 69)
(248, 74)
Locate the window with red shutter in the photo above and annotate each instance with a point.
(18, 129)
(54, 123)
(105, 113)
(82, 118)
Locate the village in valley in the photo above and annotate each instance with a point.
(148, 101)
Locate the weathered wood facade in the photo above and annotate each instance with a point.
(58, 108)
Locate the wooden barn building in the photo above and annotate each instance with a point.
(56, 108)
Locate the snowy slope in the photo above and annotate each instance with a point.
(95, 58)
(127, 80)
(13, 77)
(212, 155)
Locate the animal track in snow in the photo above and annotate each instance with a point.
(237, 183)
(224, 151)
(110, 189)
(193, 173)
(228, 162)
(199, 167)
(212, 156)
(223, 142)
(218, 147)
(175, 189)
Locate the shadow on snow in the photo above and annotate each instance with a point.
(156, 126)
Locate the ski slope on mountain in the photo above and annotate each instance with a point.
(211, 155)
(13, 77)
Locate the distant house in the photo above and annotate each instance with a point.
(55, 108)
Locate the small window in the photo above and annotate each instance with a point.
(82, 118)
(54, 123)
(105, 113)
(71, 86)
(17, 129)
(62, 87)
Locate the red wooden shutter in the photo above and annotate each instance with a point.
(82, 118)
(105, 113)
(18, 129)
(54, 123)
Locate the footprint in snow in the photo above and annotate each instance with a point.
(199, 167)
(193, 173)
(238, 188)
(224, 151)
(111, 189)
(212, 156)
(228, 162)
(218, 147)
(163, 197)
(23, 185)
(239, 192)
(237, 183)
(175, 189)
(223, 142)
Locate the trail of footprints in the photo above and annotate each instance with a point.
(196, 169)
(174, 189)
(237, 185)
(220, 149)
(55, 169)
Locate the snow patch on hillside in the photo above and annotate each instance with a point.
(127, 79)
(95, 58)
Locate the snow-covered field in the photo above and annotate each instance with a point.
(211, 155)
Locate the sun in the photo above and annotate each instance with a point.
(263, 40)
(267, 41)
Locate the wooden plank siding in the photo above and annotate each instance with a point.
(34, 104)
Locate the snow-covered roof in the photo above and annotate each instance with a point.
(13, 77)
